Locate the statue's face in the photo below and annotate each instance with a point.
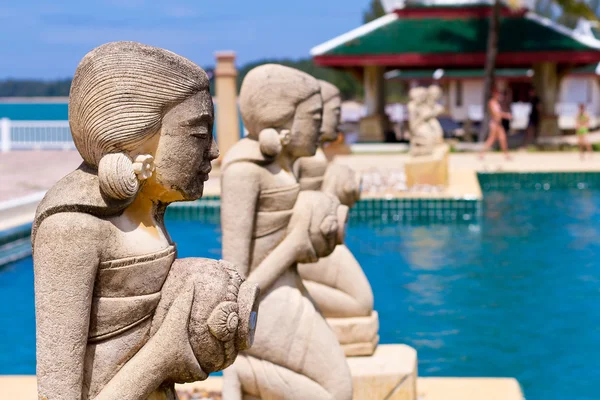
(183, 151)
(332, 110)
(305, 128)
(434, 93)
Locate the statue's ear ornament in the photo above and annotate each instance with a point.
(285, 136)
(143, 166)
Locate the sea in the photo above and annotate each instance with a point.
(33, 111)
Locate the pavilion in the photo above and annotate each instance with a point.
(426, 35)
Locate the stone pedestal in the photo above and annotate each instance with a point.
(227, 121)
(431, 169)
(390, 374)
(358, 335)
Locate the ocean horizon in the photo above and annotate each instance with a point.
(48, 109)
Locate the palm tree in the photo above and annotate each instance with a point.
(568, 9)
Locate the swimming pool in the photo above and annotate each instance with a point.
(514, 293)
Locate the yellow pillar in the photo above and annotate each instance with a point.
(228, 123)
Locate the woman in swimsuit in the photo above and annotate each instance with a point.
(497, 132)
(582, 125)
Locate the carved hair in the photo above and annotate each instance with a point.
(270, 94)
(328, 91)
(119, 94)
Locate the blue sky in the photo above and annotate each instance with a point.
(47, 38)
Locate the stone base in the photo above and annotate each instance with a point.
(390, 374)
(372, 128)
(358, 336)
(431, 169)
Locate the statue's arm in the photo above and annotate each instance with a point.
(66, 257)
(240, 188)
(276, 263)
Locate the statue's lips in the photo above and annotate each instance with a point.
(204, 173)
(203, 177)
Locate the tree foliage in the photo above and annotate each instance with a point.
(34, 88)
(374, 11)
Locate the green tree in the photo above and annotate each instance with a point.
(374, 11)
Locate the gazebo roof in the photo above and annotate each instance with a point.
(430, 36)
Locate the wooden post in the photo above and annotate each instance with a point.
(375, 123)
(546, 81)
(228, 122)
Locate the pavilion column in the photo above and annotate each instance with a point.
(228, 123)
(546, 81)
(375, 123)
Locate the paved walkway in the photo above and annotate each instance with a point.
(24, 388)
(27, 172)
(23, 173)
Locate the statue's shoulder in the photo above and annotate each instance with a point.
(72, 230)
(75, 202)
(247, 153)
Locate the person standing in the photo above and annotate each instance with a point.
(534, 118)
(496, 130)
(582, 128)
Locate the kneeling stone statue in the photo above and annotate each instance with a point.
(118, 316)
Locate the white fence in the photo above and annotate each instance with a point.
(35, 135)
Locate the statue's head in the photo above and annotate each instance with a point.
(143, 117)
(282, 108)
(332, 104)
(434, 93)
(417, 94)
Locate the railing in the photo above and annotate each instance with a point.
(35, 135)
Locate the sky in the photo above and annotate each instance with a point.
(45, 39)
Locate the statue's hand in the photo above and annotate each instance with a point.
(304, 250)
(171, 341)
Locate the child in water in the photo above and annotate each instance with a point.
(582, 127)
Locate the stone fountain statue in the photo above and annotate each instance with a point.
(118, 316)
(429, 162)
(337, 283)
(269, 226)
(423, 111)
(434, 94)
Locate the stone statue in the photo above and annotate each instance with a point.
(118, 317)
(434, 94)
(425, 129)
(337, 283)
(268, 227)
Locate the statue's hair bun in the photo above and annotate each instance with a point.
(117, 176)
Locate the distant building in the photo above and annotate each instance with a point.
(427, 35)
(463, 92)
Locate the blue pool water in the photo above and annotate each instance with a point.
(513, 295)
